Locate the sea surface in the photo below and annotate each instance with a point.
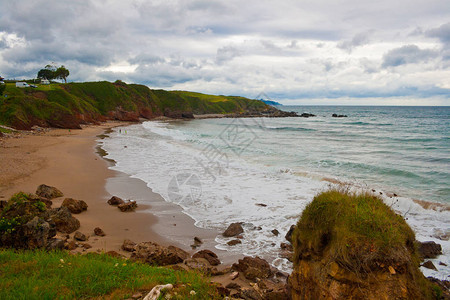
(264, 171)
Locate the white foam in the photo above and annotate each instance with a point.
(162, 156)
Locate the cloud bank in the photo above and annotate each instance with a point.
(293, 51)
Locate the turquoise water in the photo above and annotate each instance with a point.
(401, 149)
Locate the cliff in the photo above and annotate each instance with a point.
(73, 104)
(353, 246)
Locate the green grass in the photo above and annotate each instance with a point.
(57, 104)
(59, 275)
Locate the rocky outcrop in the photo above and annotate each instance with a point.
(210, 256)
(253, 267)
(338, 116)
(288, 235)
(128, 206)
(155, 254)
(48, 192)
(307, 115)
(340, 251)
(64, 220)
(115, 201)
(429, 249)
(75, 206)
(233, 230)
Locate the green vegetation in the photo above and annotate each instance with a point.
(358, 229)
(51, 72)
(59, 275)
(68, 105)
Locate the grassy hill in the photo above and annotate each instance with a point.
(72, 104)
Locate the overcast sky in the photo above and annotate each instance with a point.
(305, 52)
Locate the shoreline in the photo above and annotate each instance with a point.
(73, 161)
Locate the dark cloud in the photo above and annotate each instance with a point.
(359, 39)
(286, 48)
(408, 54)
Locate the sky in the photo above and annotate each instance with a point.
(296, 52)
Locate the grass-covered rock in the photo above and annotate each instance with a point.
(352, 245)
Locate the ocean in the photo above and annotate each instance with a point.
(264, 171)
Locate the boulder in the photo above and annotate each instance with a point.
(307, 115)
(275, 232)
(75, 206)
(80, 236)
(253, 268)
(288, 235)
(99, 232)
(429, 265)
(48, 192)
(128, 245)
(86, 246)
(429, 249)
(72, 245)
(233, 230)
(155, 254)
(338, 116)
(34, 198)
(55, 244)
(127, 206)
(64, 220)
(199, 264)
(210, 256)
(234, 242)
(115, 201)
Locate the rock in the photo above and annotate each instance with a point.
(80, 236)
(136, 296)
(199, 264)
(55, 244)
(307, 115)
(48, 192)
(210, 256)
(250, 294)
(288, 235)
(99, 232)
(429, 265)
(115, 201)
(75, 206)
(64, 220)
(234, 275)
(233, 230)
(261, 204)
(156, 291)
(127, 206)
(72, 245)
(442, 264)
(233, 285)
(234, 242)
(275, 232)
(338, 116)
(128, 245)
(253, 268)
(86, 246)
(223, 291)
(197, 240)
(48, 203)
(429, 249)
(153, 253)
(286, 246)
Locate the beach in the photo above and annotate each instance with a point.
(69, 160)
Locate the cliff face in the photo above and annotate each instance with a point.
(73, 104)
(351, 246)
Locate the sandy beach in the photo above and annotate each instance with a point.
(70, 161)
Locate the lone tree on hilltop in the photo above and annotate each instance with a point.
(51, 72)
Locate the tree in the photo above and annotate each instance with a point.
(62, 73)
(49, 72)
